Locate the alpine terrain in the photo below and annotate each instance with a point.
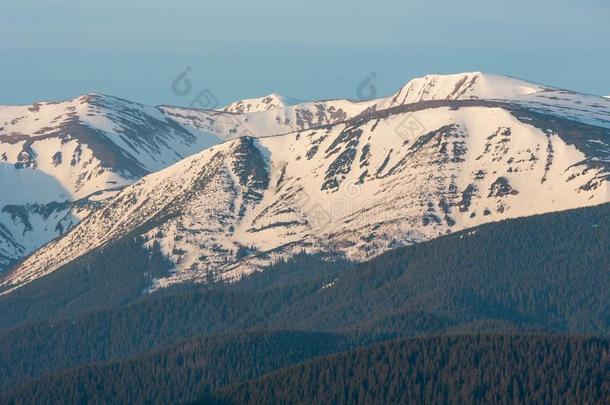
(265, 180)
(61, 160)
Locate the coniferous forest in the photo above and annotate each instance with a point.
(310, 203)
(511, 312)
(476, 369)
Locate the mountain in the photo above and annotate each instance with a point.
(192, 364)
(290, 367)
(483, 86)
(463, 86)
(457, 369)
(443, 154)
(545, 274)
(61, 160)
(269, 102)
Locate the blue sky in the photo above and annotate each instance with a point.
(314, 49)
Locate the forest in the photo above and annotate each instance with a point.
(452, 369)
(540, 281)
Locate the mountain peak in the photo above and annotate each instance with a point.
(468, 85)
(265, 103)
(70, 150)
(106, 99)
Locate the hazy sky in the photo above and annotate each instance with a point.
(311, 49)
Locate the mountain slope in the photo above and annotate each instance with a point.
(480, 368)
(269, 102)
(458, 150)
(464, 86)
(184, 372)
(547, 100)
(357, 188)
(460, 369)
(541, 274)
(62, 159)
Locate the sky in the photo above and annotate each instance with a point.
(305, 50)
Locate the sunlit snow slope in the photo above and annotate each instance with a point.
(59, 160)
(422, 163)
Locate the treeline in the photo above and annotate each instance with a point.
(440, 370)
(110, 277)
(541, 274)
(157, 321)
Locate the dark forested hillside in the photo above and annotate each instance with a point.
(542, 274)
(107, 278)
(157, 321)
(461, 369)
(451, 369)
(184, 372)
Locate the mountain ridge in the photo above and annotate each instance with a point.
(258, 104)
(55, 153)
(541, 274)
(520, 128)
(467, 151)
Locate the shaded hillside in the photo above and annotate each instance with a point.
(464, 369)
(182, 373)
(546, 273)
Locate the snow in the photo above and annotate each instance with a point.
(389, 206)
(276, 121)
(390, 194)
(465, 86)
(585, 108)
(151, 138)
(269, 102)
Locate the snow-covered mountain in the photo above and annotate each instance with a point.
(474, 85)
(479, 86)
(58, 160)
(442, 154)
(269, 102)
